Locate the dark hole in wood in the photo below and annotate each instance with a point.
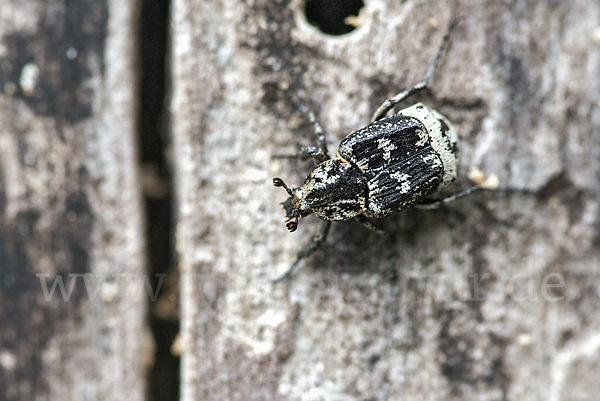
(330, 16)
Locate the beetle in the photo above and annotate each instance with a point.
(392, 164)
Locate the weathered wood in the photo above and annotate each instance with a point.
(493, 297)
(70, 205)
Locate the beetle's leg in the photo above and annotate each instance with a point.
(369, 224)
(319, 154)
(319, 133)
(314, 244)
(306, 152)
(389, 103)
(434, 204)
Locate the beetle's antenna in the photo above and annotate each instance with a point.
(278, 182)
(292, 225)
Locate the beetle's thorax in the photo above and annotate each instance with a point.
(334, 190)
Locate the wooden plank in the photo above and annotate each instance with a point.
(70, 204)
(450, 304)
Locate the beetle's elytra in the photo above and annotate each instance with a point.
(392, 164)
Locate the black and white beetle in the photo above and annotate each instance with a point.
(392, 164)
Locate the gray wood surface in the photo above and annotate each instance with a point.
(70, 204)
(493, 297)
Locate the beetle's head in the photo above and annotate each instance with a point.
(292, 205)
